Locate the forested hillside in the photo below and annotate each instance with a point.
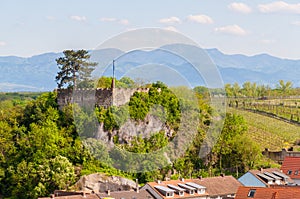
(41, 149)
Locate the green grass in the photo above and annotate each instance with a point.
(269, 132)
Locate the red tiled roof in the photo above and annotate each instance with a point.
(218, 186)
(291, 164)
(215, 186)
(282, 192)
(87, 196)
(175, 183)
(143, 194)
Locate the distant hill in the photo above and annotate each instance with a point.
(262, 68)
(38, 73)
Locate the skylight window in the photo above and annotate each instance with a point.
(289, 172)
(251, 193)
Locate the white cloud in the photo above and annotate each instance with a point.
(50, 18)
(78, 18)
(108, 19)
(124, 22)
(170, 20)
(296, 23)
(267, 41)
(232, 29)
(111, 19)
(279, 6)
(204, 19)
(2, 43)
(240, 7)
(171, 28)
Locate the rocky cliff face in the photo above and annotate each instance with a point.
(151, 124)
(100, 183)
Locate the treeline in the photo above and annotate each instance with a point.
(254, 90)
(19, 96)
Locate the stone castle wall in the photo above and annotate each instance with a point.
(278, 156)
(97, 97)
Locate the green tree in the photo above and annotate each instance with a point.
(236, 89)
(75, 69)
(234, 125)
(284, 87)
(124, 82)
(247, 153)
(104, 82)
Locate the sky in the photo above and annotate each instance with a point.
(31, 27)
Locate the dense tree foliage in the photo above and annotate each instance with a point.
(253, 90)
(38, 153)
(124, 82)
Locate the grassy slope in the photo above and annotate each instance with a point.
(268, 132)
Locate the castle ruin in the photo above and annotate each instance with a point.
(104, 97)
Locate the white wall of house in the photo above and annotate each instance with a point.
(297, 181)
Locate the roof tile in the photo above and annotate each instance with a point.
(291, 164)
(279, 192)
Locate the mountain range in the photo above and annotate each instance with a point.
(37, 73)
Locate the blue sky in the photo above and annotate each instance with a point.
(30, 27)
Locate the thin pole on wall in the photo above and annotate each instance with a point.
(113, 83)
(113, 77)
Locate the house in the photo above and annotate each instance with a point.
(220, 187)
(71, 195)
(275, 192)
(265, 178)
(291, 167)
(204, 188)
(139, 194)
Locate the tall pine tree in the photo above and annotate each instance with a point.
(75, 69)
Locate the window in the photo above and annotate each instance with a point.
(169, 194)
(251, 193)
(289, 172)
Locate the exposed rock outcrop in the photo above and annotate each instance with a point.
(100, 183)
(132, 128)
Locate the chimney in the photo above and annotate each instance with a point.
(52, 196)
(222, 174)
(83, 194)
(137, 185)
(200, 177)
(158, 181)
(182, 179)
(261, 170)
(108, 192)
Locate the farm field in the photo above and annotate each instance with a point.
(269, 132)
(285, 108)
